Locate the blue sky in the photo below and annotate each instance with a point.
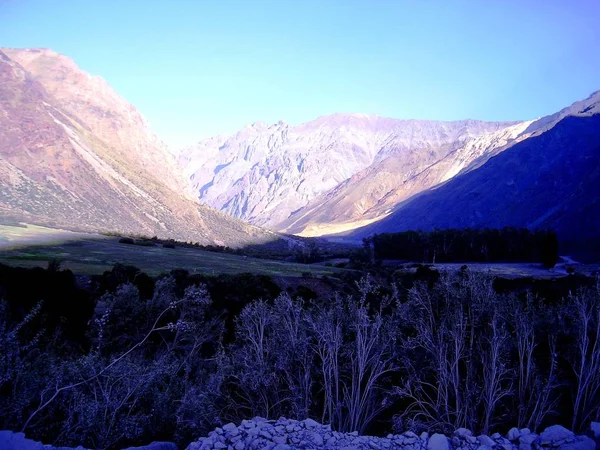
(198, 68)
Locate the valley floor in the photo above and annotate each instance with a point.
(34, 246)
(519, 270)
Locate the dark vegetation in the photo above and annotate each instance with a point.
(467, 245)
(305, 250)
(124, 358)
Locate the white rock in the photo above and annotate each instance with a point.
(311, 423)
(282, 447)
(486, 441)
(268, 435)
(438, 442)
(513, 434)
(230, 428)
(528, 438)
(17, 441)
(265, 433)
(595, 427)
(279, 439)
(554, 435)
(463, 432)
(581, 443)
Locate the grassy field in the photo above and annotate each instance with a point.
(513, 270)
(93, 254)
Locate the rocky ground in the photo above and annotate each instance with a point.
(284, 434)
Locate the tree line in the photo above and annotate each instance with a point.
(467, 245)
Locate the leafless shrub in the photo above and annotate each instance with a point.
(536, 392)
(586, 357)
(457, 374)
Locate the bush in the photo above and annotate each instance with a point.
(170, 358)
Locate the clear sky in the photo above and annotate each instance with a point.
(198, 68)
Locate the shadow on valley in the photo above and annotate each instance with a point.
(123, 357)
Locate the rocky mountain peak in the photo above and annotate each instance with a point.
(263, 173)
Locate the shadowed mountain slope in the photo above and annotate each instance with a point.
(547, 181)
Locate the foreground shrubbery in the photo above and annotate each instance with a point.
(148, 360)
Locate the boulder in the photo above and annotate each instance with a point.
(580, 443)
(230, 428)
(463, 432)
(595, 427)
(438, 442)
(513, 434)
(486, 441)
(555, 436)
(528, 439)
(10, 440)
(311, 423)
(18, 441)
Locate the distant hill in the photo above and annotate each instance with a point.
(75, 155)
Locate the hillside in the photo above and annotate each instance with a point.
(75, 155)
(549, 180)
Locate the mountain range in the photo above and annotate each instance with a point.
(278, 176)
(355, 175)
(75, 155)
(549, 180)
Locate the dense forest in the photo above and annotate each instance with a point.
(124, 358)
(467, 245)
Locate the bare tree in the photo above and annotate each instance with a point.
(326, 323)
(371, 353)
(458, 373)
(536, 395)
(294, 358)
(496, 374)
(586, 361)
